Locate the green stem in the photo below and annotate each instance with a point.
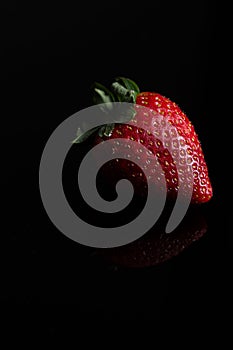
(124, 94)
(122, 90)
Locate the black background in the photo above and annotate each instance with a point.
(51, 54)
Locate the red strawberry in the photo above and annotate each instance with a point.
(202, 189)
(165, 148)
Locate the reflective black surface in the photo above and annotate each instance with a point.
(51, 58)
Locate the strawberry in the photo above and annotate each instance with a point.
(183, 134)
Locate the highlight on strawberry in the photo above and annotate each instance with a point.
(185, 141)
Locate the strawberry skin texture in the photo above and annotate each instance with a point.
(202, 189)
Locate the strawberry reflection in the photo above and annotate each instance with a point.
(156, 246)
